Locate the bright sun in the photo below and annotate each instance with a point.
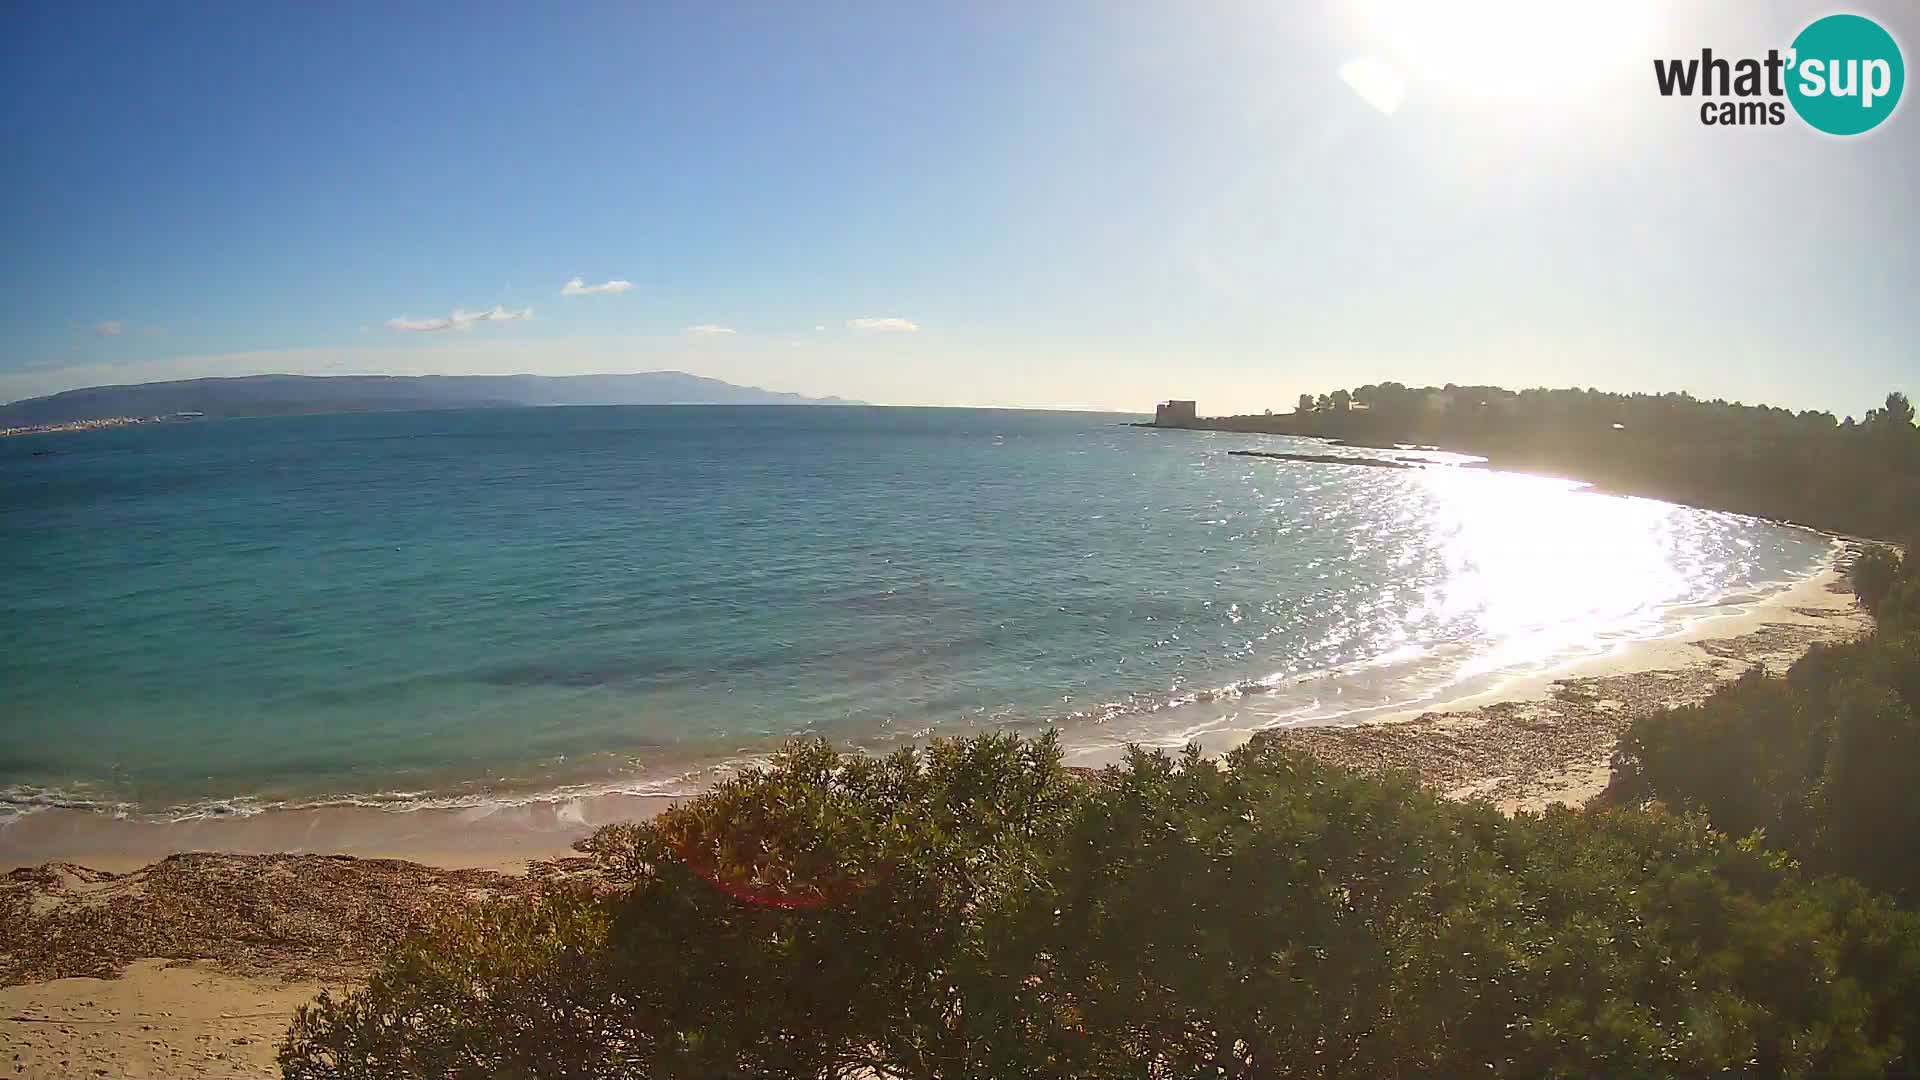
(1511, 48)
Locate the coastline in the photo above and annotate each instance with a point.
(1547, 739)
(119, 955)
(1441, 738)
(1447, 738)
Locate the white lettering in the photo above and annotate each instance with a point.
(1813, 78)
(1879, 80)
(1835, 83)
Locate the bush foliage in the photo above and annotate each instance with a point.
(1824, 763)
(973, 910)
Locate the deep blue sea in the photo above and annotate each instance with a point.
(411, 608)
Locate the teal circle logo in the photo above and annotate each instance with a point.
(1845, 75)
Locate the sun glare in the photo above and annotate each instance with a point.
(1544, 567)
(1511, 49)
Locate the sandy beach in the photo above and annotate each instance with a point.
(1547, 739)
(194, 965)
(121, 956)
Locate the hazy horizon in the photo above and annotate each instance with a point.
(1066, 206)
(1146, 409)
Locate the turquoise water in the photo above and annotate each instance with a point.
(410, 607)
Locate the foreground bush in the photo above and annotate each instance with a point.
(973, 911)
(1824, 762)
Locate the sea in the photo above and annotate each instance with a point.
(449, 608)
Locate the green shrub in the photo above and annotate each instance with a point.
(972, 911)
(1824, 762)
(1746, 756)
(1876, 573)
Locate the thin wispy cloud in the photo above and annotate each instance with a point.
(708, 330)
(883, 325)
(418, 326)
(579, 287)
(459, 320)
(110, 328)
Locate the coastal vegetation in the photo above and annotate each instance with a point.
(1859, 476)
(1824, 762)
(1741, 904)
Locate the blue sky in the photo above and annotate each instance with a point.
(1034, 204)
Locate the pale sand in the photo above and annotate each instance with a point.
(194, 965)
(160, 1019)
(1526, 744)
(503, 837)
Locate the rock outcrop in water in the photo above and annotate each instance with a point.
(1332, 459)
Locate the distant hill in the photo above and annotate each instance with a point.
(282, 395)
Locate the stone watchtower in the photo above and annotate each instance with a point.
(1174, 414)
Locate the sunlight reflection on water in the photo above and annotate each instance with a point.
(1541, 565)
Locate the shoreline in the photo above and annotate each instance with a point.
(1548, 738)
(504, 837)
(1685, 664)
(507, 835)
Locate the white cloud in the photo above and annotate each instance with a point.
(459, 320)
(110, 328)
(405, 324)
(884, 325)
(708, 330)
(578, 287)
(820, 328)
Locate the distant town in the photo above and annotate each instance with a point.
(101, 422)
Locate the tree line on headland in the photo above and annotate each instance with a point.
(1744, 902)
(1858, 476)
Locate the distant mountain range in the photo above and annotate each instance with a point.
(284, 395)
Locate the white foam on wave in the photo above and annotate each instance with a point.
(21, 800)
(15, 802)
